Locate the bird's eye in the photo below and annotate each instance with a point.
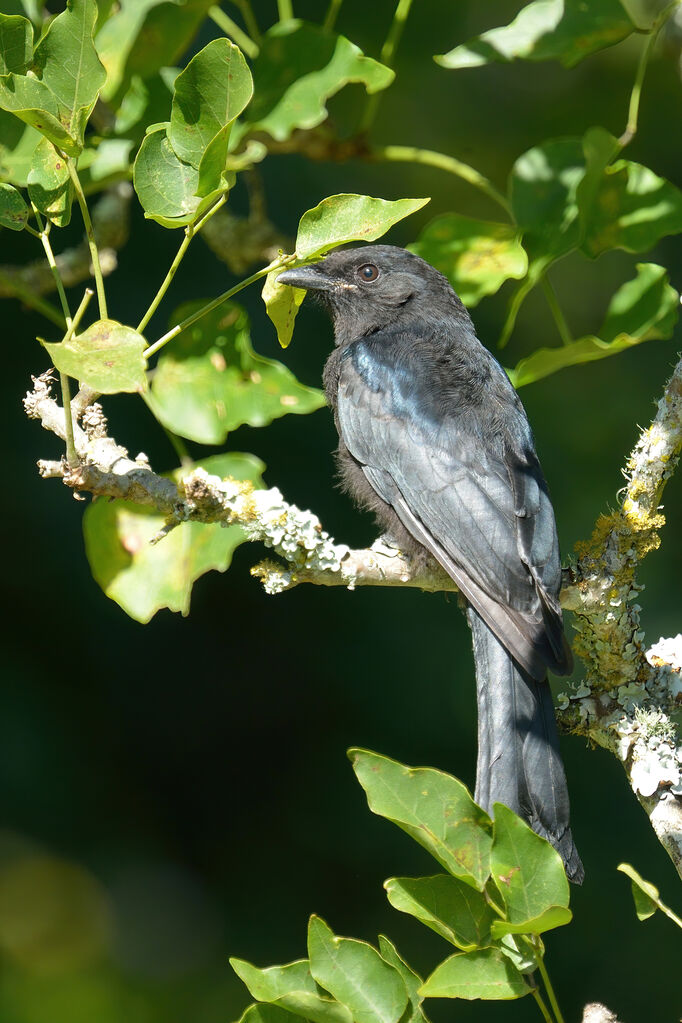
(368, 272)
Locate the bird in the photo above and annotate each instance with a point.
(434, 440)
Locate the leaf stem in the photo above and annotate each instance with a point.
(249, 20)
(557, 312)
(25, 295)
(44, 235)
(386, 57)
(550, 990)
(190, 231)
(285, 10)
(635, 95)
(331, 15)
(543, 1008)
(431, 158)
(232, 30)
(209, 307)
(71, 453)
(92, 244)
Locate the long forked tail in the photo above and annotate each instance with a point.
(519, 763)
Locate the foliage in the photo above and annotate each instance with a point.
(503, 888)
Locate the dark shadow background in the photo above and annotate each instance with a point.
(175, 793)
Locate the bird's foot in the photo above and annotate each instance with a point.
(386, 545)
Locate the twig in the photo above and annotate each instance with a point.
(331, 15)
(386, 57)
(249, 19)
(636, 94)
(557, 312)
(90, 234)
(285, 10)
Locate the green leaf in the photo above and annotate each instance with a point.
(644, 309)
(485, 973)
(209, 94)
(451, 908)
(49, 184)
(434, 808)
(632, 209)
(565, 30)
(16, 44)
(143, 36)
(527, 872)
(68, 65)
(349, 218)
(293, 988)
(166, 186)
(108, 163)
(300, 66)
(412, 981)
(356, 975)
(543, 191)
(17, 145)
(476, 256)
(210, 380)
(107, 357)
(32, 102)
(555, 916)
(646, 896)
(265, 1012)
(281, 304)
(13, 209)
(142, 577)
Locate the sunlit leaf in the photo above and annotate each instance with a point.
(565, 30)
(484, 973)
(293, 988)
(412, 981)
(107, 357)
(356, 975)
(451, 908)
(300, 66)
(16, 44)
(17, 145)
(646, 896)
(266, 1012)
(13, 209)
(165, 185)
(632, 208)
(209, 380)
(434, 808)
(349, 218)
(31, 101)
(543, 189)
(644, 309)
(476, 256)
(67, 63)
(49, 184)
(209, 94)
(282, 302)
(142, 577)
(526, 870)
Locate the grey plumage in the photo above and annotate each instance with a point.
(435, 441)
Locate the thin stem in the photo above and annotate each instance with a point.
(232, 30)
(44, 235)
(517, 300)
(285, 10)
(331, 15)
(543, 1008)
(386, 57)
(92, 244)
(635, 95)
(550, 990)
(249, 20)
(411, 154)
(71, 453)
(26, 296)
(557, 312)
(179, 327)
(32, 230)
(190, 231)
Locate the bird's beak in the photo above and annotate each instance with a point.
(312, 278)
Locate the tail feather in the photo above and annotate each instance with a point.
(519, 763)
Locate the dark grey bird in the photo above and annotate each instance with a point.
(435, 441)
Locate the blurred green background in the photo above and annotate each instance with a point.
(175, 793)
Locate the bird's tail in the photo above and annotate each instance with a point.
(519, 763)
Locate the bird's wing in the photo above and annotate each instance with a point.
(480, 509)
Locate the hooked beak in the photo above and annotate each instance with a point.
(312, 278)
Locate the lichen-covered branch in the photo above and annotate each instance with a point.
(628, 697)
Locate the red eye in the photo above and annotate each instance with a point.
(368, 272)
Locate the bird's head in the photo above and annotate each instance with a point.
(374, 287)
